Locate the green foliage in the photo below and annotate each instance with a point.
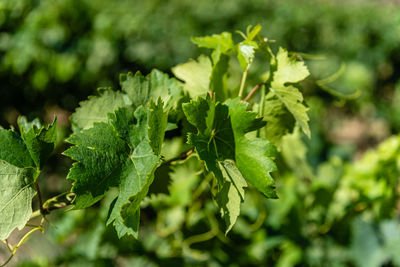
(21, 159)
(289, 71)
(123, 153)
(196, 75)
(172, 156)
(16, 197)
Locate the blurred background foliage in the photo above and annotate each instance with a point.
(338, 203)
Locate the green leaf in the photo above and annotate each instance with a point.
(255, 160)
(221, 135)
(246, 51)
(96, 108)
(218, 78)
(294, 152)
(196, 75)
(214, 140)
(136, 90)
(100, 153)
(184, 178)
(16, 193)
(254, 156)
(365, 246)
(124, 152)
(40, 140)
(13, 149)
(136, 177)
(231, 194)
(192, 111)
(20, 161)
(252, 32)
(290, 71)
(279, 120)
(139, 171)
(141, 89)
(221, 44)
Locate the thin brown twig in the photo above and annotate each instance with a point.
(252, 92)
(182, 156)
(42, 210)
(210, 93)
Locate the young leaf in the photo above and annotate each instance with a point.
(96, 108)
(13, 149)
(246, 51)
(196, 75)
(136, 90)
(279, 120)
(39, 140)
(141, 89)
(220, 43)
(231, 194)
(290, 71)
(218, 78)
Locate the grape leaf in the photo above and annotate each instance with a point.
(196, 75)
(139, 171)
(214, 140)
(246, 51)
(141, 88)
(254, 156)
(39, 140)
(99, 153)
(218, 78)
(136, 90)
(247, 48)
(290, 71)
(13, 149)
(221, 143)
(231, 194)
(119, 153)
(279, 121)
(17, 175)
(183, 180)
(96, 108)
(220, 43)
(294, 152)
(221, 135)
(16, 193)
(252, 32)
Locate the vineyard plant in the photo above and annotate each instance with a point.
(205, 164)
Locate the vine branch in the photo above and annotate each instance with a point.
(22, 241)
(243, 82)
(183, 156)
(42, 210)
(252, 92)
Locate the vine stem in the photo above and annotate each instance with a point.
(253, 91)
(22, 241)
(42, 211)
(201, 237)
(200, 189)
(243, 82)
(262, 104)
(183, 156)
